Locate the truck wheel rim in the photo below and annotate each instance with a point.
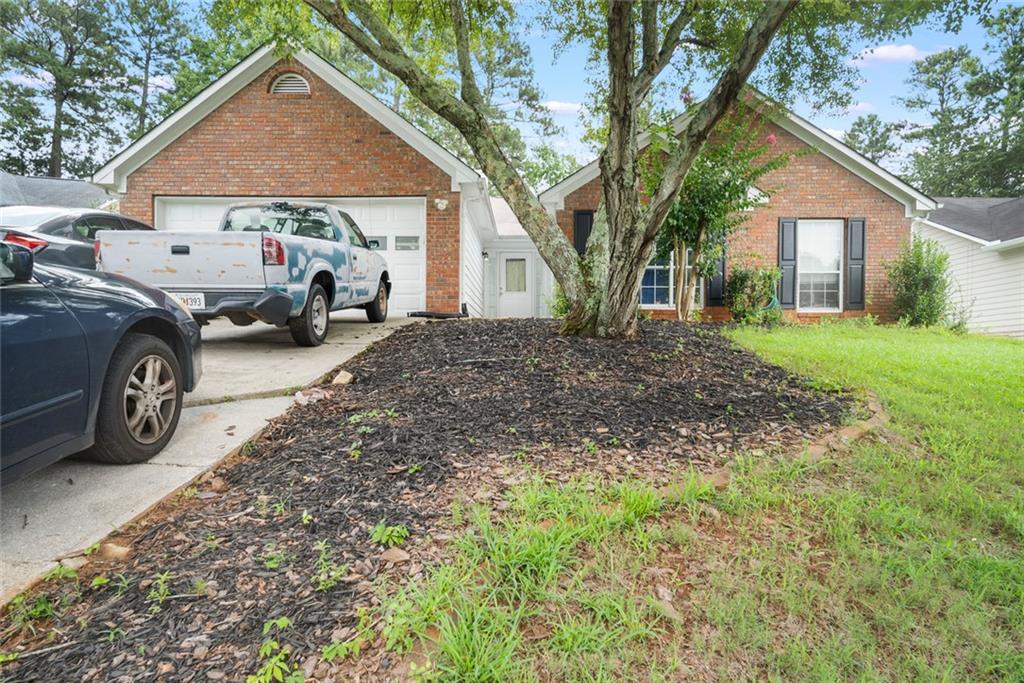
(319, 316)
(382, 299)
(149, 399)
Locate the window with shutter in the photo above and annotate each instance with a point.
(290, 84)
(582, 224)
(856, 247)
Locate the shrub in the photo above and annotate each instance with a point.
(920, 283)
(750, 295)
(558, 304)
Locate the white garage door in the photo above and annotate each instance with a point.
(398, 224)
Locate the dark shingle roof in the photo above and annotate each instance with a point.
(19, 190)
(992, 219)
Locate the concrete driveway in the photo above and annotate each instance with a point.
(250, 375)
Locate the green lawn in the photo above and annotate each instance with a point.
(899, 559)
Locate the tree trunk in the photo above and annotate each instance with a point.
(679, 268)
(57, 137)
(140, 126)
(691, 285)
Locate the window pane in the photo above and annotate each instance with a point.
(819, 245)
(819, 290)
(407, 243)
(515, 275)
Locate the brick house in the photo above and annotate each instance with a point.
(834, 221)
(297, 128)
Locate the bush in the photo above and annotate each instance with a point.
(558, 304)
(920, 283)
(750, 295)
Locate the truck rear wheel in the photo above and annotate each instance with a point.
(377, 310)
(310, 327)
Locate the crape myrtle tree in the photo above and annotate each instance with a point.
(802, 48)
(720, 187)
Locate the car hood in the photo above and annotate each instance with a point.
(108, 284)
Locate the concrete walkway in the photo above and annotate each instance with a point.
(249, 376)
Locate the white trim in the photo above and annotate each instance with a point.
(952, 231)
(913, 200)
(114, 174)
(1002, 246)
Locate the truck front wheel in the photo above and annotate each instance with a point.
(377, 310)
(310, 327)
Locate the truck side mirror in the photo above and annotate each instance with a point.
(374, 244)
(16, 262)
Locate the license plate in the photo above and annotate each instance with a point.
(191, 300)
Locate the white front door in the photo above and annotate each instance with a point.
(515, 285)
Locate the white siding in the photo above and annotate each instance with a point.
(990, 284)
(472, 267)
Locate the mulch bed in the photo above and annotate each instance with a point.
(432, 409)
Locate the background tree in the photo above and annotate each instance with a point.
(62, 55)
(720, 187)
(874, 138)
(156, 31)
(545, 166)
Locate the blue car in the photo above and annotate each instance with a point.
(89, 362)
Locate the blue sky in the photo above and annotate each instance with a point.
(883, 75)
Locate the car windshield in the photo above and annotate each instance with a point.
(26, 216)
(285, 219)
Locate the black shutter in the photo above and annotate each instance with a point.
(582, 224)
(856, 243)
(716, 285)
(787, 262)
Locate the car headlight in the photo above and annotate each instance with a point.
(182, 305)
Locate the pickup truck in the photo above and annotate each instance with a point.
(283, 263)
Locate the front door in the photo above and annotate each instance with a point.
(515, 285)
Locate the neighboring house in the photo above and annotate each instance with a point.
(19, 190)
(297, 128)
(834, 221)
(985, 241)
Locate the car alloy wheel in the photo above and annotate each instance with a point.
(382, 299)
(319, 316)
(149, 399)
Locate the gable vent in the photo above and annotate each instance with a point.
(290, 83)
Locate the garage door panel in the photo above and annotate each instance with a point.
(398, 221)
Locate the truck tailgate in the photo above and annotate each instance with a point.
(185, 261)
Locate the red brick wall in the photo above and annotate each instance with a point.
(316, 145)
(811, 186)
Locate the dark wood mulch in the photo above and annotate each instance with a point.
(427, 399)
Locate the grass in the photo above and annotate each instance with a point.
(900, 559)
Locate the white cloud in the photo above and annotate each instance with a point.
(861, 107)
(888, 54)
(557, 107)
(836, 133)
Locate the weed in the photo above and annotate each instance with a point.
(114, 634)
(200, 586)
(122, 584)
(274, 558)
(91, 549)
(248, 448)
(590, 446)
(306, 518)
(389, 536)
(275, 667)
(23, 613)
(363, 430)
(328, 573)
(60, 572)
(99, 582)
(159, 591)
(355, 644)
(358, 418)
(415, 468)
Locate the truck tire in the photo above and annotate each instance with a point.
(140, 401)
(310, 327)
(377, 310)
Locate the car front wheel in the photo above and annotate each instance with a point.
(140, 402)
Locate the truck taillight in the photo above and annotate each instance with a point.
(273, 252)
(33, 243)
(96, 250)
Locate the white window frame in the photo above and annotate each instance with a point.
(842, 260)
(671, 305)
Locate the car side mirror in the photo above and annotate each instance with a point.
(374, 244)
(16, 262)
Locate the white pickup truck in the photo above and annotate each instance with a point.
(284, 263)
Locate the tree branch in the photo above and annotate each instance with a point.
(470, 90)
(649, 22)
(753, 46)
(653, 63)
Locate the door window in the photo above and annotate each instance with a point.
(355, 235)
(515, 275)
